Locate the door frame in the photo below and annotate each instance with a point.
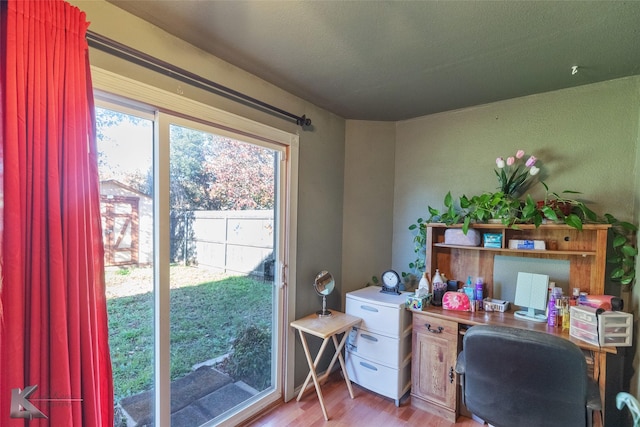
(114, 88)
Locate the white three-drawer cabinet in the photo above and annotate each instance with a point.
(378, 352)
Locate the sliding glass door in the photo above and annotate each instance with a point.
(194, 226)
(223, 293)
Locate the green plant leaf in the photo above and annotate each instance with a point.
(574, 221)
(549, 213)
(448, 200)
(614, 259)
(618, 241)
(627, 226)
(465, 202)
(629, 251)
(627, 280)
(617, 273)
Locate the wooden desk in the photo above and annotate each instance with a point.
(464, 319)
(327, 328)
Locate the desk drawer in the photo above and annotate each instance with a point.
(424, 324)
(375, 317)
(381, 379)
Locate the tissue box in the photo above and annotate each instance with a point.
(417, 303)
(455, 236)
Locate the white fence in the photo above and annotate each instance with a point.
(235, 241)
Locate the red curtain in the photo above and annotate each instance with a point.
(52, 300)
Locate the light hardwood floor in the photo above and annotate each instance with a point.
(366, 409)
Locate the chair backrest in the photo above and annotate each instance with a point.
(516, 377)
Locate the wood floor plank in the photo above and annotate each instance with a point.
(366, 409)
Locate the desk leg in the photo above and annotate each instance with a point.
(341, 359)
(312, 371)
(600, 372)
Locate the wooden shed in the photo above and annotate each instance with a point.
(127, 224)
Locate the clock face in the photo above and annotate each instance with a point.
(390, 279)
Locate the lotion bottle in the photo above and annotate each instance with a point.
(424, 283)
(438, 283)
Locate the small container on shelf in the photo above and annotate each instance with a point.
(492, 240)
(491, 304)
(455, 236)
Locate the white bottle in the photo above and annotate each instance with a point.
(423, 285)
(438, 283)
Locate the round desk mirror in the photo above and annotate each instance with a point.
(324, 285)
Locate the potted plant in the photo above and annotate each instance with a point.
(558, 208)
(491, 207)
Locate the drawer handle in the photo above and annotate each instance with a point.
(369, 308)
(369, 337)
(435, 331)
(451, 375)
(368, 366)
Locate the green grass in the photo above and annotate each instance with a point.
(205, 319)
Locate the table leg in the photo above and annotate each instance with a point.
(341, 359)
(312, 372)
(315, 362)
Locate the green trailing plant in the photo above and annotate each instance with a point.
(623, 250)
(419, 230)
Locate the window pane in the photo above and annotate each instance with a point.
(125, 144)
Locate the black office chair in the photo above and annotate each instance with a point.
(516, 377)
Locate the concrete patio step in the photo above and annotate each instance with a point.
(195, 398)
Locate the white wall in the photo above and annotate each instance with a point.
(368, 201)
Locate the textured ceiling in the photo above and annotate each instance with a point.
(394, 60)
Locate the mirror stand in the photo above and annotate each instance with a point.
(324, 312)
(324, 284)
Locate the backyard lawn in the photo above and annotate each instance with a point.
(208, 312)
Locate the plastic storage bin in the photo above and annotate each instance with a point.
(607, 329)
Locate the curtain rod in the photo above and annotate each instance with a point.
(125, 52)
